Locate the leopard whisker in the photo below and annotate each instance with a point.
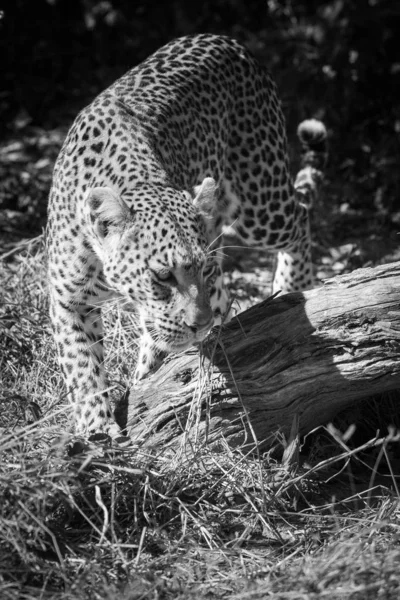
(219, 236)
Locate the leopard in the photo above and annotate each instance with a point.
(150, 173)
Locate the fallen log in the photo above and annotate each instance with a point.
(300, 356)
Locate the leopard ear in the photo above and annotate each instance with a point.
(103, 207)
(205, 197)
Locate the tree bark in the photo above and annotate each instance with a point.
(299, 357)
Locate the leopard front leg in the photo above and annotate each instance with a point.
(148, 357)
(220, 299)
(78, 333)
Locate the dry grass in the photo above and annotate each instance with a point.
(131, 525)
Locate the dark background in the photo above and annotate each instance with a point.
(336, 60)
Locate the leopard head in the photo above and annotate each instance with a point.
(154, 248)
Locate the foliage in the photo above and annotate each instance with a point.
(338, 60)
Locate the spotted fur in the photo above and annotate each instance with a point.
(192, 138)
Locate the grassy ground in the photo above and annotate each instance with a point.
(136, 526)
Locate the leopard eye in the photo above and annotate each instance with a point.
(166, 277)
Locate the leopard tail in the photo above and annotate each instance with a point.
(314, 154)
